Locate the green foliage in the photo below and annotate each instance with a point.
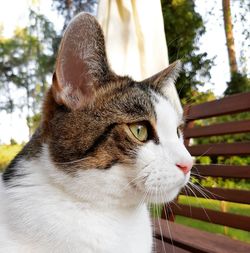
(197, 97)
(13, 142)
(26, 60)
(33, 122)
(238, 83)
(7, 153)
(183, 27)
(240, 184)
(13, 56)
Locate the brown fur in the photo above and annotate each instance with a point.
(98, 133)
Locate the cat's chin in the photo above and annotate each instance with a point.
(159, 197)
(162, 197)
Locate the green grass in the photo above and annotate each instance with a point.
(7, 153)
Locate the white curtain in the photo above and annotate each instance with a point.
(135, 38)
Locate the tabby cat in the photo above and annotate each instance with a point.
(106, 146)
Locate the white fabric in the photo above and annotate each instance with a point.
(135, 39)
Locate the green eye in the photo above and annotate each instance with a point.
(140, 131)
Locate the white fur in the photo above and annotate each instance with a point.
(56, 216)
(158, 176)
(93, 211)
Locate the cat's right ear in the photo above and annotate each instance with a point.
(81, 65)
(166, 77)
(164, 82)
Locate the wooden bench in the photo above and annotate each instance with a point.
(173, 237)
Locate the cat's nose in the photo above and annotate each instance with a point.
(185, 167)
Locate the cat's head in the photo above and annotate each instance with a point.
(111, 138)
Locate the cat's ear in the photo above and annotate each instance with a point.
(164, 82)
(81, 65)
(165, 78)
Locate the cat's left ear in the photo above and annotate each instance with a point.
(81, 66)
(167, 77)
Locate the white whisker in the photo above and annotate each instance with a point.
(169, 230)
(199, 202)
(159, 223)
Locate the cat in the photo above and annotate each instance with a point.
(106, 146)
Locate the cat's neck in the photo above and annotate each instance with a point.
(39, 208)
(48, 215)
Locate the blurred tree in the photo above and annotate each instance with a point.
(69, 8)
(228, 25)
(46, 48)
(183, 28)
(26, 60)
(6, 102)
(239, 81)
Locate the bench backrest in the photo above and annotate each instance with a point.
(226, 106)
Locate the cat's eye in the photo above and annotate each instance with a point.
(139, 130)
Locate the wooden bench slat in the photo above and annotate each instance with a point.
(220, 218)
(220, 170)
(242, 148)
(163, 247)
(227, 105)
(196, 240)
(242, 126)
(231, 195)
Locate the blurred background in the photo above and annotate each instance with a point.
(211, 37)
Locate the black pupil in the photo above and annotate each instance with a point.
(139, 130)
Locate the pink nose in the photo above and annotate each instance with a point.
(185, 168)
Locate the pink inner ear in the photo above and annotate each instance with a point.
(75, 73)
(74, 87)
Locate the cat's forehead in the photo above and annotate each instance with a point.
(127, 97)
(166, 109)
(138, 100)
